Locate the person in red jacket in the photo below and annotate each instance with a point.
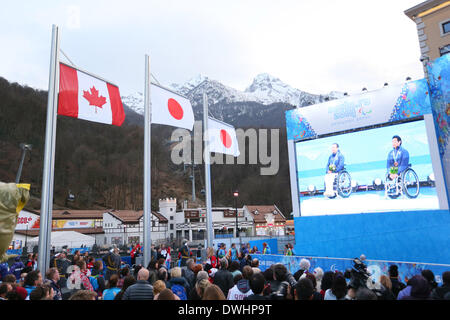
(210, 258)
(90, 264)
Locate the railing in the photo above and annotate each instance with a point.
(376, 268)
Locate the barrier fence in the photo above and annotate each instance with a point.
(376, 268)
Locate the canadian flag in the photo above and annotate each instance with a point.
(222, 138)
(86, 97)
(171, 109)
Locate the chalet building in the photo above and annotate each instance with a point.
(127, 227)
(268, 220)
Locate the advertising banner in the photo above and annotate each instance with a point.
(389, 104)
(27, 220)
(63, 224)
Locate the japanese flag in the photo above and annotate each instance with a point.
(222, 138)
(86, 97)
(170, 108)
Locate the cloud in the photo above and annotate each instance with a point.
(311, 46)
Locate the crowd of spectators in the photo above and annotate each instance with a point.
(223, 275)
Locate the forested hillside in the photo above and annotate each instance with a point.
(102, 165)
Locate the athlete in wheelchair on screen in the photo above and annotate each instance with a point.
(400, 178)
(337, 179)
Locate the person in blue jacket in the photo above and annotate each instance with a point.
(335, 165)
(17, 267)
(336, 158)
(398, 157)
(4, 270)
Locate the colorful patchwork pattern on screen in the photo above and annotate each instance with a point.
(297, 126)
(413, 101)
(439, 74)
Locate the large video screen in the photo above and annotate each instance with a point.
(367, 171)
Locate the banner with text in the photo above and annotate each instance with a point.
(389, 104)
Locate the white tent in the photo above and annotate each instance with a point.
(72, 239)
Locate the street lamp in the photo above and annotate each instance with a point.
(24, 148)
(236, 195)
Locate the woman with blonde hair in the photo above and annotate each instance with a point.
(211, 259)
(213, 292)
(201, 286)
(178, 284)
(387, 284)
(158, 286)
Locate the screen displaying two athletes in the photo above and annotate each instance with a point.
(397, 162)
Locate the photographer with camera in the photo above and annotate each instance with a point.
(282, 283)
(361, 287)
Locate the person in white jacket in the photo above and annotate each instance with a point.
(242, 288)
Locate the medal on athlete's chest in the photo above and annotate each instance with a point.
(395, 156)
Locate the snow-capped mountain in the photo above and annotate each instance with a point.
(268, 89)
(229, 104)
(135, 102)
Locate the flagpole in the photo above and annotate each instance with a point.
(209, 222)
(147, 165)
(49, 156)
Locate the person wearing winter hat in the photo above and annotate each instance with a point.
(304, 267)
(202, 275)
(212, 272)
(242, 288)
(21, 292)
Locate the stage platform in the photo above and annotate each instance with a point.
(369, 201)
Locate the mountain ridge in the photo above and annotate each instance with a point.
(259, 100)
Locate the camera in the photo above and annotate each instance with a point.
(358, 274)
(282, 291)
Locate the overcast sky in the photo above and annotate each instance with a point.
(316, 46)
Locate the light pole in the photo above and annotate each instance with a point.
(24, 148)
(193, 181)
(26, 237)
(236, 195)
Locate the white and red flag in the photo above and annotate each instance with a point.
(84, 96)
(222, 138)
(170, 108)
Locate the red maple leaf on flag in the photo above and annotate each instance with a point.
(94, 99)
